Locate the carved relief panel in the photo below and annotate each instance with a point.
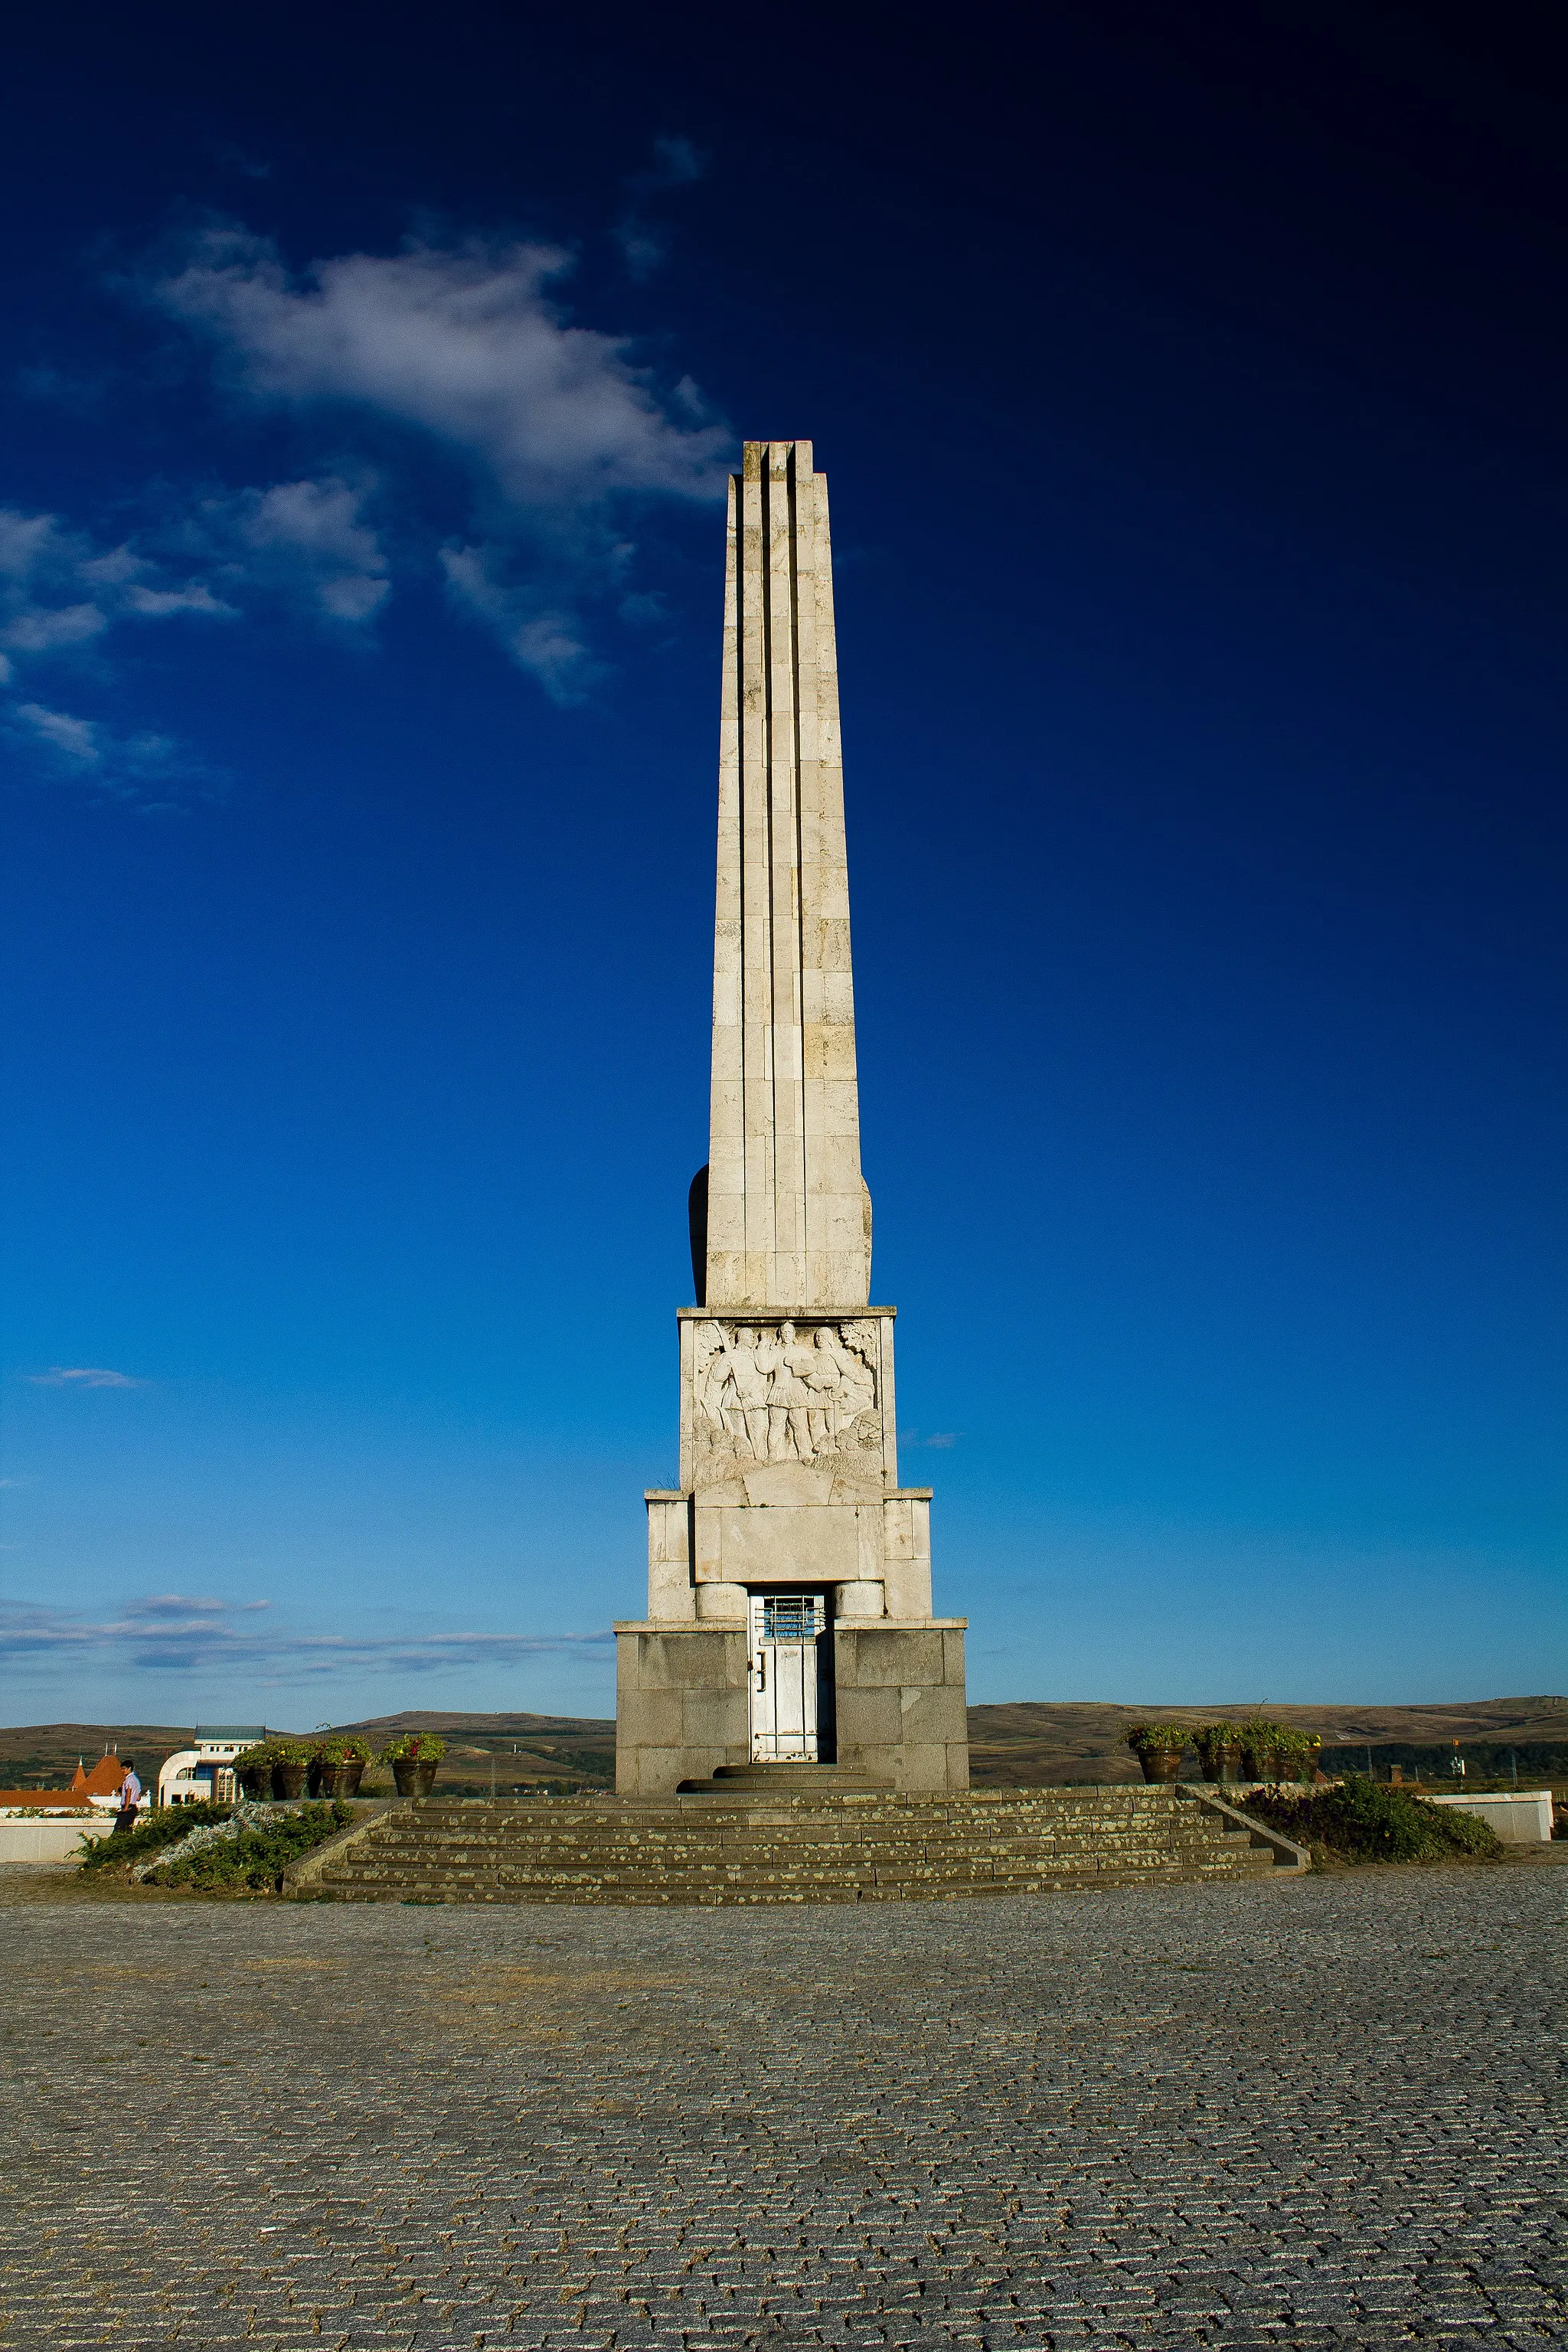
(767, 1394)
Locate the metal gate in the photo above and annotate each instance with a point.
(788, 1644)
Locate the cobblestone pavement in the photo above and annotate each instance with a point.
(1326, 2111)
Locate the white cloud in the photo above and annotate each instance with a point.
(150, 772)
(75, 740)
(461, 342)
(542, 640)
(558, 429)
(26, 540)
(158, 603)
(313, 533)
(58, 590)
(40, 629)
(557, 426)
(83, 1376)
(179, 1633)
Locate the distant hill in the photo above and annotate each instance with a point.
(1035, 1742)
(1028, 1744)
(510, 1752)
(47, 1753)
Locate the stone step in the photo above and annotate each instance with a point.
(845, 1848)
(673, 1854)
(674, 1893)
(715, 1821)
(823, 1833)
(369, 1855)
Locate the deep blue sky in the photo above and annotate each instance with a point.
(1189, 385)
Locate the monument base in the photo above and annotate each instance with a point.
(683, 1703)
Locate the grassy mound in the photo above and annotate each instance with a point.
(1362, 1822)
(165, 1828)
(257, 1859)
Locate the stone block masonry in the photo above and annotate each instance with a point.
(755, 1844)
(1302, 2114)
(789, 1476)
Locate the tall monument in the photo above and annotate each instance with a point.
(789, 1612)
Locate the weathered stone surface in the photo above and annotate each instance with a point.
(788, 1219)
(1298, 2114)
(748, 1842)
(789, 1473)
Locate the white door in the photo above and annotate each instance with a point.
(786, 1628)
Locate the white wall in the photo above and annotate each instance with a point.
(1519, 1818)
(47, 1839)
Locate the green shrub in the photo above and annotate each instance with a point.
(1361, 1822)
(256, 1858)
(342, 1747)
(169, 1822)
(1157, 1738)
(414, 1748)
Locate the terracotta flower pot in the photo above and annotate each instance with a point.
(256, 1783)
(288, 1781)
(1222, 1763)
(413, 1777)
(339, 1780)
(1162, 1764)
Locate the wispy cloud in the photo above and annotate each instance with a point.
(675, 164)
(235, 159)
(940, 1440)
(461, 342)
(558, 430)
(540, 636)
(152, 772)
(59, 588)
(83, 1376)
(552, 439)
(182, 1633)
(60, 591)
(307, 543)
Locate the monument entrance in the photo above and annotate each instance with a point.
(792, 1679)
(789, 1497)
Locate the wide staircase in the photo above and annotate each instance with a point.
(740, 1846)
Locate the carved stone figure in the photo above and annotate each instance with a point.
(787, 1393)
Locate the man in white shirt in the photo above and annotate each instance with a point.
(130, 1798)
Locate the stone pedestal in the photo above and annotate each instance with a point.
(683, 1696)
(798, 1492)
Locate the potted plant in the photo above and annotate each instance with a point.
(1219, 1751)
(1295, 1752)
(1260, 1748)
(337, 1765)
(290, 1763)
(1159, 1748)
(253, 1771)
(414, 1757)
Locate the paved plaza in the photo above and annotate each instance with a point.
(1318, 2112)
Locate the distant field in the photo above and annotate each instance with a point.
(1029, 1744)
(1033, 1743)
(529, 1752)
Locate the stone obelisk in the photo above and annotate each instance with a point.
(789, 1574)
